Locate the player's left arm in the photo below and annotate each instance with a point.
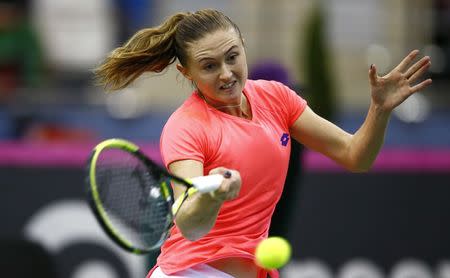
(356, 152)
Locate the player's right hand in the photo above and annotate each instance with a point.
(231, 184)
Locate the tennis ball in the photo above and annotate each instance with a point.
(273, 252)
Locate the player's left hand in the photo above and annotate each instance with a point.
(391, 90)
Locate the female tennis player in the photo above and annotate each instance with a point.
(230, 123)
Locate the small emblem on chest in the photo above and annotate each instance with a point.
(284, 139)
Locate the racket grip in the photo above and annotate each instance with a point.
(207, 183)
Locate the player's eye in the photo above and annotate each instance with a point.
(233, 57)
(209, 67)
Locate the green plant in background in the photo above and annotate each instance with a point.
(317, 65)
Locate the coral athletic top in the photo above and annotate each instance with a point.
(258, 148)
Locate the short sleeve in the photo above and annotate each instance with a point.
(293, 104)
(182, 140)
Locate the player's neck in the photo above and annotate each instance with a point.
(240, 110)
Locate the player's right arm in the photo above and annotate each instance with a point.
(198, 213)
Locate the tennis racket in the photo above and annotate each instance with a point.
(131, 195)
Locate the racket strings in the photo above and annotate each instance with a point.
(132, 198)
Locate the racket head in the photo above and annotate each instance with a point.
(130, 195)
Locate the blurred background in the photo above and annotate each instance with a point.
(390, 222)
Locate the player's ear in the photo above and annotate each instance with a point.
(184, 71)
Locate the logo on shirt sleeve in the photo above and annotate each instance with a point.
(284, 139)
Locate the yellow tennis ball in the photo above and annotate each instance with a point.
(273, 252)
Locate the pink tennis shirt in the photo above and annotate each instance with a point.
(258, 148)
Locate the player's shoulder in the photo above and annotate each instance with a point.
(191, 113)
(263, 85)
(266, 90)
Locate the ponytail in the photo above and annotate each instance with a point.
(153, 49)
(150, 49)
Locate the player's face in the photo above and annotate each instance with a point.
(218, 66)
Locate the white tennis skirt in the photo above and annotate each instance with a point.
(198, 271)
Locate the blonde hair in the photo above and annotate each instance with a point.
(153, 49)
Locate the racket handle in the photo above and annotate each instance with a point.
(207, 183)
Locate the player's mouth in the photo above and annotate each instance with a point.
(228, 86)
